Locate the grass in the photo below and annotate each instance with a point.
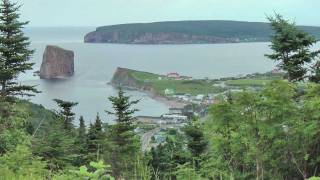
(193, 87)
(248, 82)
(199, 86)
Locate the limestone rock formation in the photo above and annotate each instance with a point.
(57, 63)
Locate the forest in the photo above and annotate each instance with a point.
(273, 133)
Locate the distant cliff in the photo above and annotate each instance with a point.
(57, 63)
(187, 32)
(126, 78)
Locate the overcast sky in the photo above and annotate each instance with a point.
(106, 12)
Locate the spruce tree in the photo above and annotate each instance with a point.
(56, 146)
(124, 143)
(65, 113)
(81, 143)
(291, 47)
(82, 128)
(196, 142)
(94, 140)
(14, 52)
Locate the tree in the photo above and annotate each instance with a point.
(291, 46)
(14, 52)
(101, 171)
(65, 113)
(13, 122)
(21, 164)
(56, 146)
(195, 141)
(124, 143)
(81, 129)
(81, 143)
(95, 137)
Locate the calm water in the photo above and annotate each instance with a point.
(96, 63)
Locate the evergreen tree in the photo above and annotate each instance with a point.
(166, 157)
(65, 113)
(81, 143)
(14, 52)
(196, 142)
(56, 146)
(81, 129)
(124, 143)
(98, 124)
(95, 137)
(291, 46)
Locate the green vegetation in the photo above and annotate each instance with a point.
(14, 51)
(248, 82)
(292, 49)
(193, 87)
(268, 134)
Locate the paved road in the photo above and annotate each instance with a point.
(146, 138)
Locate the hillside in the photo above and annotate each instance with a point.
(187, 32)
(157, 84)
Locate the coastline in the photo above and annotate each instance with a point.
(170, 102)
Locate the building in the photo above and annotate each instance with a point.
(173, 119)
(168, 92)
(173, 75)
(175, 110)
(199, 97)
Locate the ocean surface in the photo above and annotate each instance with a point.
(96, 63)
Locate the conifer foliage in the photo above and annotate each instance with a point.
(14, 52)
(65, 113)
(125, 145)
(292, 49)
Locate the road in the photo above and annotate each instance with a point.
(146, 138)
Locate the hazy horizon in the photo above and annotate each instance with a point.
(93, 13)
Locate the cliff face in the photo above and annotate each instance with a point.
(187, 32)
(123, 78)
(57, 63)
(154, 38)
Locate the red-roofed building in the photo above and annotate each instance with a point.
(173, 75)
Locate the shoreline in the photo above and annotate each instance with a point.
(171, 103)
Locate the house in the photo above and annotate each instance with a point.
(173, 119)
(168, 91)
(276, 71)
(188, 78)
(173, 75)
(199, 97)
(159, 138)
(175, 110)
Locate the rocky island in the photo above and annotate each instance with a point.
(187, 32)
(57, 63)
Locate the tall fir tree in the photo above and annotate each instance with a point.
(14, 52)
(56, 146)
(81, 143)
(291, 47)
(65, 113)
(195, 141)
(95, 137)
(124, 143)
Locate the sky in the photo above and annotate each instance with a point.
(106, 12)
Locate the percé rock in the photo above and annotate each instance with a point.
(187, 32)
(57, 63)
